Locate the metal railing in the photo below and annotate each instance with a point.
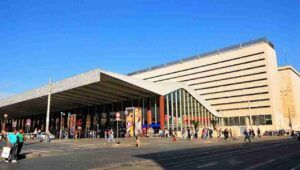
(218, 51)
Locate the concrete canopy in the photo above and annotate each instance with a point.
(95, 87)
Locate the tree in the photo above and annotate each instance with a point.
(195, 123)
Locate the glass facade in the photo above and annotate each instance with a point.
(182, 110)
(245, 120)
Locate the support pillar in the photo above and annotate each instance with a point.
(149, 117)
(48, 107)
(162, 112)
(149, 114)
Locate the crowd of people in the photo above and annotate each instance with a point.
(14, 141)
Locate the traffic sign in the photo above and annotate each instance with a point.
(14, 124)
(118, 116)
(28, 122)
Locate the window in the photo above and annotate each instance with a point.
(242, 121)
(261, 120)
(226, 122)
(268, 119)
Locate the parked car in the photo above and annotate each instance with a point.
(43, 136)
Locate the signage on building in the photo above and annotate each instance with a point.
(88, 121)
(28, 122)
(14, 124)
(118, 116)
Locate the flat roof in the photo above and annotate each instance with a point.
(206, 54)
(289, 67)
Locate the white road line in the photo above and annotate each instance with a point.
(260, 164)
(207, 165)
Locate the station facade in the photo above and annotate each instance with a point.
(237, 87)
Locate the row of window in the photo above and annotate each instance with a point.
(245, 120)
(224, 61)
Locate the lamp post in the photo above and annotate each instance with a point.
(61, 115)
(250, 115)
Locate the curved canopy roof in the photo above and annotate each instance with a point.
(91, 88)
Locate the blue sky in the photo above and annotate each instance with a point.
(61, 38)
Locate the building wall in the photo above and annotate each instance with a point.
(290, 90)
(231, 81)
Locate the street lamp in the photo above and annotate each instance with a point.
(250, 114)
(61, 115)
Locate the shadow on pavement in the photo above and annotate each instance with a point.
(170, 159)
(24, 155)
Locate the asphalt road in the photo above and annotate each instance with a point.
(162, 154)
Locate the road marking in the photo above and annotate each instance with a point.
(260, 164)
(207, 165)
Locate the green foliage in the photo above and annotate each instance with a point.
(195, 123)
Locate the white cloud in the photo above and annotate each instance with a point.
(5, 94)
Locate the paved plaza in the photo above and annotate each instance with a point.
(160, 153)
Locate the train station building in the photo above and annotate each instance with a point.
(237, 87)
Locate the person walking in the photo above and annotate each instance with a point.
(174, 136)
(258, 132)
(13, 144)
(189, 134)
(247, 135)
(226, 134)
(253, 133)
(166, 133)
(220, 133)
(21, 138)
(183, 133)
(211, 133)
(137, 141)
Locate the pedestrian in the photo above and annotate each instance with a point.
(105, 134)
(174, 136)
(166, 133)
(111, 136)
(182, 133)
(203, 133)
(13, 144)
(189, 134)
(253, 133)
(35, 134)
(21, 139)
(137, 141)
(226, 134)
(247, 135)
(220, 133)
(211, 133)
(258, 132)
